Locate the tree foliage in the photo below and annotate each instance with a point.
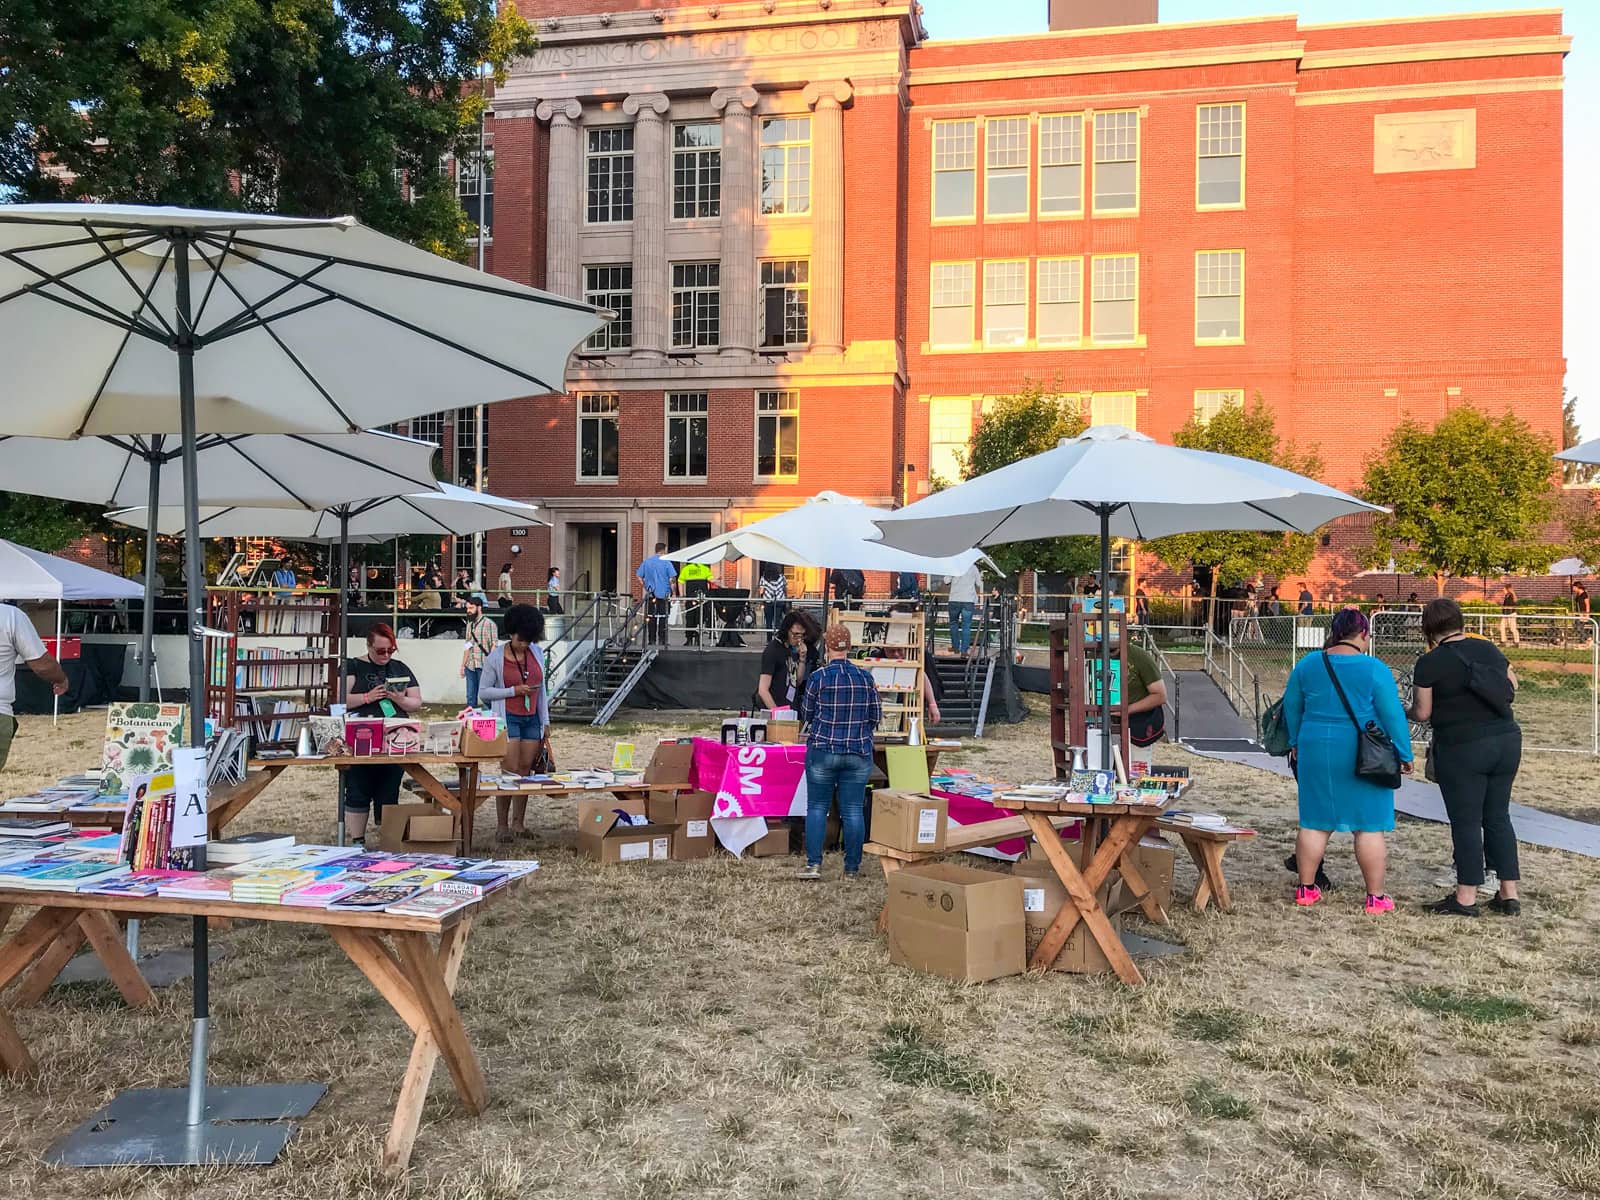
(45, 524)
(1030, 421)
(1244, 432)
(1471, 497)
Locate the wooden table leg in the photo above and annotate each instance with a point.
(1134, 878)
(426, 974)
(105, 935)
(1211, 853)
(890, 866)
(50, 965)
(1081, 902)
(1202, 886)
(29, 944)
(469, 804)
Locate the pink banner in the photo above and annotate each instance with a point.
(759, 780)
(968, 810)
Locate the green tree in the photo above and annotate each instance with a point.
(45, 524)
(1244, 432)
(1470, 497)
(1571, 435)
(1030, 421)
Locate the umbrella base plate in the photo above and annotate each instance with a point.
(147, 1127)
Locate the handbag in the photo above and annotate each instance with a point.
(1377, 757)
(1488, 683)
(544, 762)
(1275, 730)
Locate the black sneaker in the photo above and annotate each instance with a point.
(1292, 865)
(1506, 908)
(1451, 907)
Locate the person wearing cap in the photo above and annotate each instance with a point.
(841, 710)
(481, 637)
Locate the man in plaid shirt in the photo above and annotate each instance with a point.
(841, 709)
(482, 635)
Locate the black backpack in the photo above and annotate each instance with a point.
(1489, 682)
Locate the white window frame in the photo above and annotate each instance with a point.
(797, 288)
(777, 406)
(1047, 292)
(706, 193)
(1108, 152)
(1007, 154)
(429, 427)
(610, 337)
(958, 155)
(700, 297)
(622, 161)
(947, 280)
(951, 414)
(1058, 132)
(1097, 285)
(1213, 280)
(795, 153)
(466, 172)
(687, 414)
(1009, 277)
(1111, 405)
(600, 408)
(1215, 141)
(1208, 402)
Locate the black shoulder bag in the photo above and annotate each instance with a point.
(1488, 683)
(1377, 757)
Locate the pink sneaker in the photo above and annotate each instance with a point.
(1380, 904)
(1305, 895)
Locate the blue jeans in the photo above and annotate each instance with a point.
(846, 773)
(474, 674)
(523, 727)
(960, 626)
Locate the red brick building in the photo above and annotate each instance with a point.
(830, 237)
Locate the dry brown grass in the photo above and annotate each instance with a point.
(718, 1028)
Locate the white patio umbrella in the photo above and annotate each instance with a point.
(1571, 567)
(1115, 482)
(828, 530)
(1584, 452)
(129, 320)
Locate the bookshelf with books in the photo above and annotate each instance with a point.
(889, 646)
(279, 666)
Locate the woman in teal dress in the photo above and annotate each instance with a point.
(1322, 741)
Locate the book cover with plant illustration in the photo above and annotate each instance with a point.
(140, 739)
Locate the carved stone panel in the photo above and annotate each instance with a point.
(1425, 141)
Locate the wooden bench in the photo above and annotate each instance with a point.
(957, 839)
(1206, 847)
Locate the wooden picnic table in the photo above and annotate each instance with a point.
(1206, 847)
(414, 973)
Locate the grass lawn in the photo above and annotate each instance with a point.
(719, 1029)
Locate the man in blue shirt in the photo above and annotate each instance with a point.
(660, 579)
(841, 710)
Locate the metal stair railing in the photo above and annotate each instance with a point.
(619, 634)
(580, 639)
(1238, 682)
(625, 688)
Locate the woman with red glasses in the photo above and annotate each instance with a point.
(376, 685)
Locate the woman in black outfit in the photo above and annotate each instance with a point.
(1463, 688)
(789, 659)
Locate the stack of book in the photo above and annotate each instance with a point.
(268, 887)
(433, 902)
(197, 887)
(246, 846)
(320, 894)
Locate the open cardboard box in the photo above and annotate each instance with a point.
(956, 921)
(671, 763)
(417, 828)
(602, 836)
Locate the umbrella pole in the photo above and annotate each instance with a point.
(1105, 637)
(147, 638)
(344, 633)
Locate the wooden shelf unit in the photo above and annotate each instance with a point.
(1073, 700)
(871, 629)
(305, 673)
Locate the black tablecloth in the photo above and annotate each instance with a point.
(93, 679)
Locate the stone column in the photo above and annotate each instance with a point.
(651, 280)
(827, 214)
(738, 218)
(563, 199)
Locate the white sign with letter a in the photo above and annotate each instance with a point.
(189, 808)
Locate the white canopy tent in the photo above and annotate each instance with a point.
(27, 574)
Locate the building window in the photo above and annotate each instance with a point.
(610, 174)
(1005, 167)
(428, 428)
(1219, 155)
(611, 287)
(696, 171)
(1210, 401)
(950, 320)
(1116, 161)
(479, 206)
(777, 435)
(598, 414)
(686, 435)
(466, 473)
(785, 303)
(1114, 294)
(1219, 296)
(955, 170)
(786, 166)
(696, 305)
(1005, 303)
(949, 431)
(1061, 164)
(1060, 316)
(1114, 408)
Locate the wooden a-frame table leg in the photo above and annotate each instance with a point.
(30, 943)
(1202, 884)
(1134, 878)
(105, 935)
(51, 963)
(1081, 902)
(1211, 856)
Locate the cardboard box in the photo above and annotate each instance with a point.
(670, 764)
(774, 844)
(693, 839)
(1043, 895)
(602, 838)
(1155, 857)
(421, 828)
(674, 808)
(474, 745)
(785, 733)
(908, 820)
(955, 921)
